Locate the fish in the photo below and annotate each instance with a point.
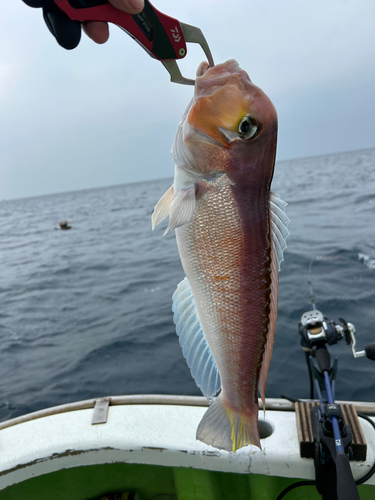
(231, 231)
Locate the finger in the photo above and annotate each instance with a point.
(96, 30)
(35, 3)
(129, 6)
(66, 31)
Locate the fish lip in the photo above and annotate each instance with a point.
(202, 69)
(217, 81)
(216, 76)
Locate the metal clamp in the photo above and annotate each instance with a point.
(194, 35)
(100, 411)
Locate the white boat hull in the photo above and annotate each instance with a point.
(154, 434)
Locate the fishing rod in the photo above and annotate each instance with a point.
(332, 438)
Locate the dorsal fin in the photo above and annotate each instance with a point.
(279, 233)
(193, 341)
(279, 226)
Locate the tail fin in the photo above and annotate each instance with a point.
(225, 429)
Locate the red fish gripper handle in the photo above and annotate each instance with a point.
(160, 35)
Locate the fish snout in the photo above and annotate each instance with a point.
(202, 68)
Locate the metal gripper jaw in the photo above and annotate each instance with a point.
(194, 35)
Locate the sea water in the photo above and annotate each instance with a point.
(86, 313)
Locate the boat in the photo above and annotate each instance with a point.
(90, 450)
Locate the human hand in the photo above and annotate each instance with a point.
(68, 32)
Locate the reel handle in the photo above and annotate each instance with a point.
(370, 351)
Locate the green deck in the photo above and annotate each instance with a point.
(159, 483)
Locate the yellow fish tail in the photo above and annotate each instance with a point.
(224, 428)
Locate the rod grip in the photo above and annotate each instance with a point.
(346, 487)
(323, 359)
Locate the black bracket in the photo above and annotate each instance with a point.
(325, 449)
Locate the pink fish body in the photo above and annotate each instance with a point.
(231, 233)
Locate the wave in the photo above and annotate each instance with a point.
(368, 261)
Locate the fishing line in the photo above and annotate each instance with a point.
(309, 278)
(312, 298)
(313, 306)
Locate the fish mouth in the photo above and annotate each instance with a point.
(209, 79)
(202, 68)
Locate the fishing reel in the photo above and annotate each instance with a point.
(331, 432)
(332, 436)
(317, 330)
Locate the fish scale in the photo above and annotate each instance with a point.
(209, 252)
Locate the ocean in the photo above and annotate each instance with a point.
(86, 313)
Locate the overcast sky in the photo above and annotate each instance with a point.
(105, 115)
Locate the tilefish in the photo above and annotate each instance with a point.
(231, 231)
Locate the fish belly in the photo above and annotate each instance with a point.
(225, 251)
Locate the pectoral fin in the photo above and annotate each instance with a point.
(162, 207)
(181, 209)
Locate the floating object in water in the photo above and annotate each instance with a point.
(64, 225)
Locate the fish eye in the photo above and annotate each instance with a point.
(247, 128)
